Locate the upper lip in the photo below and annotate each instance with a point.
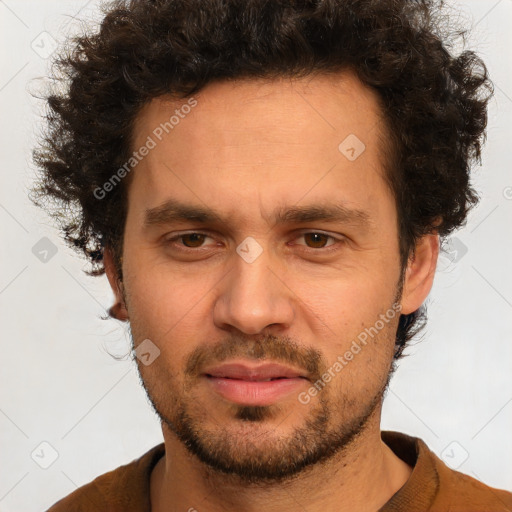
(252, 373)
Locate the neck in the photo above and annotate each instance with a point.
(364, 477)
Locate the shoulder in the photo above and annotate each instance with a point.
(123, 489)
(463, 492)
(435, 487)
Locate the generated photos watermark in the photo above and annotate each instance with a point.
(342, 360)
(137, 156)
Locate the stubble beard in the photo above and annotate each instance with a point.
(251, 453)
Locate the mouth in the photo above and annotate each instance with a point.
(250, 379)
(251, 385)
(262, 373)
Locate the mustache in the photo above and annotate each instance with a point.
(267, 347)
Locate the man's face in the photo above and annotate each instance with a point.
(298, 292)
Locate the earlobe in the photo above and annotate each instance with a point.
(419, 276)
(118, 310)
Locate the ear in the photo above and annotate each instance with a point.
(118, 310)
(419, 275)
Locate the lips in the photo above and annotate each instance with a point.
(262, 373)
(244, 383)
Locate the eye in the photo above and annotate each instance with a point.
(193, 239)
(316, 240)
(186, 241)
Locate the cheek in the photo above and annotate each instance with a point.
(162, 306)
(355, 324)
(344, 304)
(361, 363)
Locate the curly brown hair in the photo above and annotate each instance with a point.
(434, 101)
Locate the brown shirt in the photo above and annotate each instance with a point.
(432, 486)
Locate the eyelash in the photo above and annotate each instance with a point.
(333, 247)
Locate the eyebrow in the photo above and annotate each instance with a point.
(173, 210)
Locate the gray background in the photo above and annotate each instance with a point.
(59, 385)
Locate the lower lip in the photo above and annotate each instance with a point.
(253, 392)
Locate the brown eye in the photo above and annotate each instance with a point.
(192, 239)
(318, 240)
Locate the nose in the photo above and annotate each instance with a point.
(252, 297)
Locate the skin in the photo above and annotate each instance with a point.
(248, 147)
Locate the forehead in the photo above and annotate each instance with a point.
(263, 138)
(321, 103)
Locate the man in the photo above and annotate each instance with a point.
(265, 185)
